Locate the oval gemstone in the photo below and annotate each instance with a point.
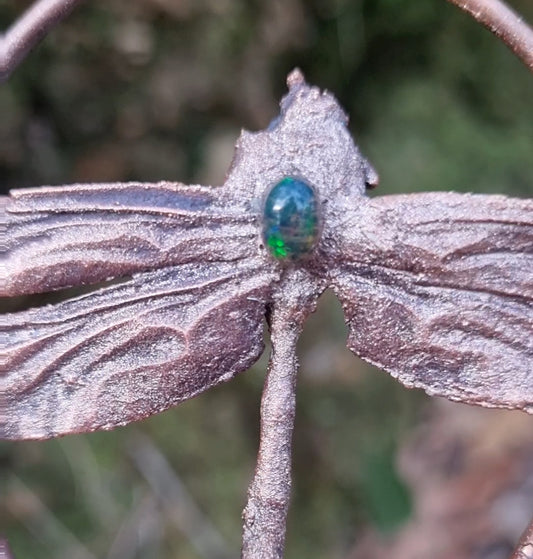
(290, 219)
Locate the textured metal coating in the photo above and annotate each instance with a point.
(437, 288)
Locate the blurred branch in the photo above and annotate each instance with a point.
(33, 26)
(504, 23)
(179, 506)
(4, 550)
(141, 532)
(28, 30)
(91, 483)
(524, 549)
(40, 521)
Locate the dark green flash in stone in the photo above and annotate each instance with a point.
(290, 219)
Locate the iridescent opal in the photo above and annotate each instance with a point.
(290, 219)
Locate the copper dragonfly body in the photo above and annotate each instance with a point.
(437, 289)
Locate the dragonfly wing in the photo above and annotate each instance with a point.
(66, 236)
(130, 350)
(437, 290)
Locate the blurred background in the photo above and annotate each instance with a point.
(159, 89)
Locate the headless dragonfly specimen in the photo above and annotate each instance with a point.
(437, 289)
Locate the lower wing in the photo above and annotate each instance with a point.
(130, 350)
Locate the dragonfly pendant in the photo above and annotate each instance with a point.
(437, 289)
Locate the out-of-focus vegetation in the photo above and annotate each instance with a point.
(158, 89)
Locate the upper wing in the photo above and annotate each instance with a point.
(437, 290)
(65, 236)
(130, 350)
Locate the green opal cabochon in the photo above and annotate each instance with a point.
(291, 224)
